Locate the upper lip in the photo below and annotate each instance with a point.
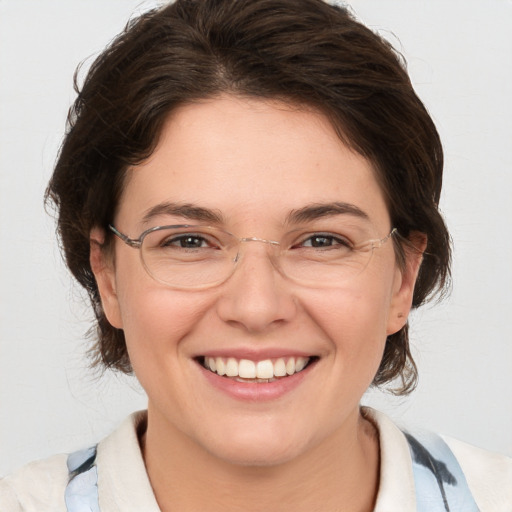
(254, 354)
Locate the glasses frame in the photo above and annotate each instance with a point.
(136, 243)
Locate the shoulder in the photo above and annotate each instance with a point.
(118, 481)
(489, 475)
(36, 487)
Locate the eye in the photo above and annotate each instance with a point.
(188, 241)
(325, 241)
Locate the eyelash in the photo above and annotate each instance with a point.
(334, 240)
(174, 241)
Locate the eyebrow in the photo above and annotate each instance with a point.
(305, 214)
(185, 210)
(319, 210)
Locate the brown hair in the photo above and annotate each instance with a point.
(302, 51)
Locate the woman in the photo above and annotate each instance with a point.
(249, 192)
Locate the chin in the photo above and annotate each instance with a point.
(258, 447)
(257, 456)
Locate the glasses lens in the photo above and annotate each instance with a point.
(325, 259)
(188, 256)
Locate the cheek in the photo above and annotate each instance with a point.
(155, 318)
(355, 320)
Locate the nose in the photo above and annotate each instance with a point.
(256, 298)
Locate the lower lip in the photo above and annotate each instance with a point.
(255, 391)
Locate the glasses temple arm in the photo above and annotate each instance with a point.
(126, 239)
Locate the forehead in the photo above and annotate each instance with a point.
(250, 160)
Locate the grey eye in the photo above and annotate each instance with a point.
(319, 241)
(186, 241)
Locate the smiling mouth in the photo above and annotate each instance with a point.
(267, 370)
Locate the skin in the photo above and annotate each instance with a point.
(254, 161)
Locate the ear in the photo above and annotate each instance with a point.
(405, 281)
(102, 265)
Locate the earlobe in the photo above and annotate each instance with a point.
(406, 279)
(102, 265)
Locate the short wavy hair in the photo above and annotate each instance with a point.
(305, 52)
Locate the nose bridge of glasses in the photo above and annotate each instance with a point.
(256, 239)
(268, 243)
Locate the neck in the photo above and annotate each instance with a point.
(341, 474)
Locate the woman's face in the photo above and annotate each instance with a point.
(252, 164)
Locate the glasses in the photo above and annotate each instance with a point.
(198, 257)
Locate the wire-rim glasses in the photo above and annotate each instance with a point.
(188, 256)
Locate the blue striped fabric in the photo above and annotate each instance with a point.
(81, 493)
(440, 484)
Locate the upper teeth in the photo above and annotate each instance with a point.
(247, 369)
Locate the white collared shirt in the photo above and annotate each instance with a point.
(124, 485)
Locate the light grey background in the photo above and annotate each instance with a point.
(460, 57)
